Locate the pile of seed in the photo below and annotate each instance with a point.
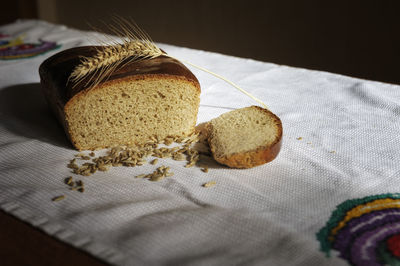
(137, 156)
(158, 174)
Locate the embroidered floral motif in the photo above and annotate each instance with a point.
(365, 231)
(15, 48)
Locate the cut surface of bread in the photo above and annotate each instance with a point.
(245, 137)
(144, 101)
(131, 111)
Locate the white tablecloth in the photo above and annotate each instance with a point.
(341, 147)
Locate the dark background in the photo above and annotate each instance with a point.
(355, 38)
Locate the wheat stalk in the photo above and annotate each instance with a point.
(224, 79)
(136, 45)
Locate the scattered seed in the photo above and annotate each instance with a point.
(155, 161)
(102, 168)
(72, 164)
(209, 184)
(79, 183)
(299, 138)
(93, 169)
(85, 157)
(69, 181)
(81, 189)
(156, 178)
(92, 154)
(58, 198)
(129, 162)
(205, 169)
(188, 165)
(86, 172)
(177, 156)
(140, 176)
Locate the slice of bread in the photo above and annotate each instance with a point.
(142, 101)
(245, 137)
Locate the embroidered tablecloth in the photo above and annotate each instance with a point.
(329, 198)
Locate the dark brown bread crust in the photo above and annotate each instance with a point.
(59, 67)
(55, 71)
(252, 158)
(256, 157)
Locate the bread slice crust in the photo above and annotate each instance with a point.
(252, 157)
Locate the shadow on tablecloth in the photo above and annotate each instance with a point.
(24, 112)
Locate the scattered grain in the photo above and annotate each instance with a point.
(86, 172)
(209, 184)
(58, 198)
(72, 164)
(69, 181)
(156, 177)
(79, 183)
(177, 156)
(205, 169)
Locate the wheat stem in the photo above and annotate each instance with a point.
(224, 79)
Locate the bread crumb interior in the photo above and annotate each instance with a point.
(133, 112)
(242, 130)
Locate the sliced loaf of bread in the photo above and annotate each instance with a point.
(144, 100)
(245, 137)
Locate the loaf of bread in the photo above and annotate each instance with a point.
(149, 99)
(245, 137)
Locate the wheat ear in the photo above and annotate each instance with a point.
(136, 45)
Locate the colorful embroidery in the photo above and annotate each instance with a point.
(365, 231)
(15, 48)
